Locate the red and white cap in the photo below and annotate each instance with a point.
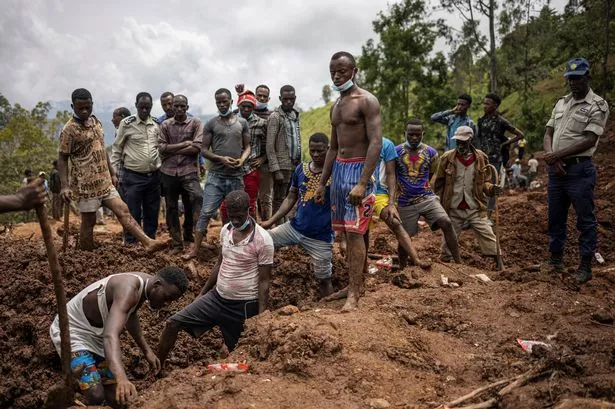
(247, 96)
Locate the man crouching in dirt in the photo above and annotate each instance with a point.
(97, 317)
(463, 183)
(238, 287)
(92, 176)
(310, 227)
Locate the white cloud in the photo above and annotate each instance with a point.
(49, 48)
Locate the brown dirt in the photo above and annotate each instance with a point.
(412, 342)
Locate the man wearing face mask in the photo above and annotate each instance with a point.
(226, 143)
(463, 182)
(135, 151)
(283, 144)
(416, 163)
(238, 286)
(258, 132)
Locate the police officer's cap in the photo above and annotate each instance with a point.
(577, 66)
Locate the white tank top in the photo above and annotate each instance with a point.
(84, 336)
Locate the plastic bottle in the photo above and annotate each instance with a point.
(599, 258)
(230, 367)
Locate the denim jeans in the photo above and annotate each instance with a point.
(142, 195)
(217, 186)
(320, 252)
(576, 188)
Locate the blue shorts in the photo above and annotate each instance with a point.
(346, 217)
(96, 369)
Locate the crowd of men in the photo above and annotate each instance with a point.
(256, 176)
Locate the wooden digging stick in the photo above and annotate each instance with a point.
(58, 285)
(66, 227)
(496, 229)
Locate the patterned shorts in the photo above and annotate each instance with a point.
(96, 369)
(345, 216)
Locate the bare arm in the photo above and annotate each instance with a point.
(330, 158)
(134, 329)
(213, 277)
(371, 112)
(547, 143)
(26, 198)
(264, 274)
(589, 139)
(63, 170)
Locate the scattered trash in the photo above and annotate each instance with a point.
(372, 269)
(445, 282)
(232, 367)
(527, 345)
(482, 277)
(599, 258)
(386, 262)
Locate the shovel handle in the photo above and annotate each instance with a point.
(58, 286)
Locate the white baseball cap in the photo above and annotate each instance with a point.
(463, 133)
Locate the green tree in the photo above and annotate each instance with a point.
(400, 68)
(326, 94)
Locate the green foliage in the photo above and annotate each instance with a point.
(312, 121)
(28, 140)
(400, 68)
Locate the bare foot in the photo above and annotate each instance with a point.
(155, 245)
(425, 265)
(339, 295)
(352, 303)
(326, 288)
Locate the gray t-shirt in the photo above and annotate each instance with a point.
(226, 140)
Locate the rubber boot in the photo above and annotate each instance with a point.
(584, 273)
(556, 262)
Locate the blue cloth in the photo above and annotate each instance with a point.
(142, 195)
(216, 188)
(576, 188)
(413, 171)
(387, 153)
(312, 219)
(345, 216)
(452, 121)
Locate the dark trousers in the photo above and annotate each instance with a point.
(192, 196)
(142, 195)
(576, 188)
(280, 190)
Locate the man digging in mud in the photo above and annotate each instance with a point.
(310, 227)
(31, 195)
(97, 317)
(238, 287)
(92, 176)
(356, 140)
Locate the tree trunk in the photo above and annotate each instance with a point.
(493, 81)
(605, 62)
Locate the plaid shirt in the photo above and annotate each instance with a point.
(258, 139)
(173, 132)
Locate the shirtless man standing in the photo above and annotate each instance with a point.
(356, 140)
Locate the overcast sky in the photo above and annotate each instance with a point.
(118, 48)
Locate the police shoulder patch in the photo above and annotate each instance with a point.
(130, 119)
(602, 105)
(155, 120)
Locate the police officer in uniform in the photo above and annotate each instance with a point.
(136, 148)
(577, 122)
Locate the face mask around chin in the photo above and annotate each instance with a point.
(261, 106)
(227, 113)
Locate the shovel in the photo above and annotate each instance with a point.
(498, 181)
(62, 395)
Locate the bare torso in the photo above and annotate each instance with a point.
(348, 120)
(90, 301)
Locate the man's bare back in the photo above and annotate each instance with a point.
(123, 281)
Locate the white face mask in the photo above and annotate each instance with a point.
(345, 86)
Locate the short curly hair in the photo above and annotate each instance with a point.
(238, 200)
(175, 276)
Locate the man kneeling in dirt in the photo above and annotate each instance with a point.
(238, 287)
(97, 317)
(463, 183)
(311, 225)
